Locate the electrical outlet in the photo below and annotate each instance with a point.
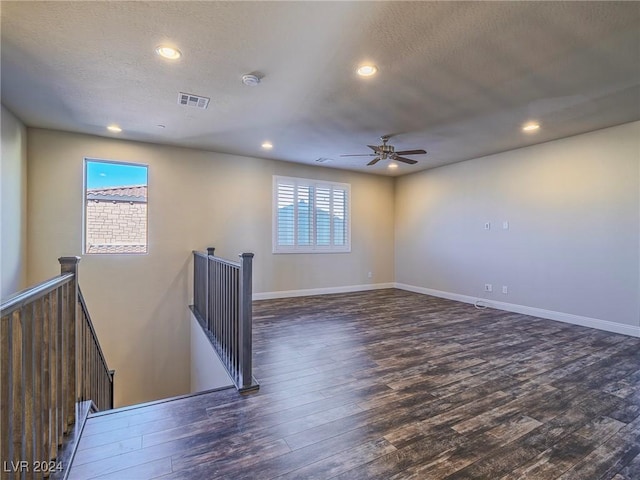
(488, 287)
(505, 290)
(487, 226)
(370, 275)
(505, 225)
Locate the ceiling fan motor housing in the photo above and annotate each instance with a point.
(387, 149)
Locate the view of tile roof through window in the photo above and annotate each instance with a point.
(120, 191)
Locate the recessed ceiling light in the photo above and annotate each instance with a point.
(392, 166)
(530, 127)
(367, 70)
(114, 128)
(267, 145)
(168, 52)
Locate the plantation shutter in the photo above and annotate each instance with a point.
(310, 216)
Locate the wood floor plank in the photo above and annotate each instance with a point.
(145, 471)
(88, 455)
(344, 461)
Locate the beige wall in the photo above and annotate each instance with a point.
(195, 199)
(573, 243)
(13, 205)
(572, 246)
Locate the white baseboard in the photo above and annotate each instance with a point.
(320, 291)
(606, 325)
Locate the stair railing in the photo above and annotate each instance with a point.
(222, 296)
(50, 361)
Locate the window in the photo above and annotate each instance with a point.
(115, 207)
(310, 216)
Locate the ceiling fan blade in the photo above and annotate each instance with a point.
(360, 155)
(374, 148)
(411, 152)
(374, 161)
(405, 160)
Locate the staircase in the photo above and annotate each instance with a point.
(56, 389)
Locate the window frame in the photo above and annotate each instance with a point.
(313, 247)
(85, 163)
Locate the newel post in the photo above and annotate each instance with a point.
(246, 383)
(69, 329)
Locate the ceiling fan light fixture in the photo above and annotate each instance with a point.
(170, 53)
(114, 128)
(392, 166)
(530, 127)
(367, 70)
(267, 145)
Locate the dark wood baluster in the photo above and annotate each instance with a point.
(71, 348)
(234, 343)
(53, 374)
(5, 387)
(225, 319)
(27, 382)
(38, 454)
(17, 400)
(236, 333)
(112, 380)
(64, 360)
(80, 366)
(214, 298)
(220, 332)
(46, 377)
(92, 367)
(59, 353)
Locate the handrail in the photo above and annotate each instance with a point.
(222, 304)
(217, 259)
(21, 298)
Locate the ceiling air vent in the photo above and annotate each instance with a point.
(190, 100)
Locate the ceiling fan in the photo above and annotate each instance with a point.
(384, 152)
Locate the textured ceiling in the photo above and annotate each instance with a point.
(455, 78)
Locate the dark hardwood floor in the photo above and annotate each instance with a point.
(394, 385)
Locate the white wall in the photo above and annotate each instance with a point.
(207, 371)
(13, 205)
(573, 243)
(196, 199)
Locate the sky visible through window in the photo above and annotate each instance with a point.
(106, 174)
